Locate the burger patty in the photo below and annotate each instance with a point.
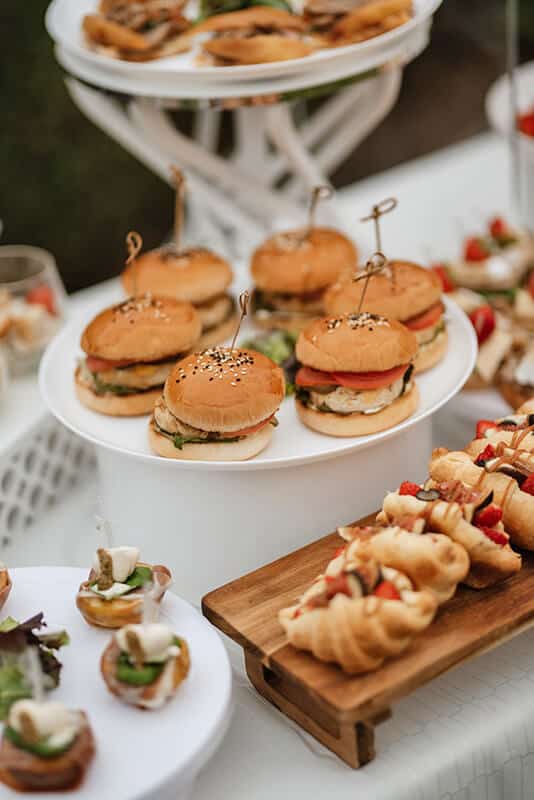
(344, 401)
(216, 311)
(168, 423)
(127, 380)
(308, 303)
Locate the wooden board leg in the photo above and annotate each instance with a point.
(353, 743)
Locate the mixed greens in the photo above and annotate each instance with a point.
(279, 346)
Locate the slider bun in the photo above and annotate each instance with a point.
(431, 354)
(257, 15)
(245, 448)
(142, 329)
(280, 264)
(415, 290)
(246, 394)
(377, 344)
(194, 275)
(115, 405)
(360, 424)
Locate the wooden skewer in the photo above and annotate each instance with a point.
(179, 186)
(374, 266)
(244, 300)
(134, 243)
(384, 207)
(34, 673)
(318, 193)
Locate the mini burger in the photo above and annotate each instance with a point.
(291, 272)
(218, 405)
(413, 297)
(130, 349)
(255, 35)
(356, 374)
(197, 276)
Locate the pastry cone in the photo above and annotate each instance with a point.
(517, 506)
(432, 562)
(153, 695)
(359, 633)
(489, 562)
(123, 610)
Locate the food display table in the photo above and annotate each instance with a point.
(468, 735)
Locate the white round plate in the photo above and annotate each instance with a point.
(166, 87)
(139, 754)
(64, 24)
(292, 442)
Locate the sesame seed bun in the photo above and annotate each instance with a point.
(356, 343)
(358, 424)
(283, 264)
(245, 448)
(143, 329)
(414, 290)
(429, 355)
(249, 390)
(114, 405)
(194, 275)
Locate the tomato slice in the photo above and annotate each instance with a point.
(102, 364)
(426, 319)
(306, 376)
(246, 431)
(369, 380)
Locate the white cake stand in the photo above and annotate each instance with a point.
(140, 755)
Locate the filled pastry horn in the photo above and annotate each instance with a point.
(113, 595)
(469, 517)
(143, 665)
(360, 616)
(508, 473)
(432, 562)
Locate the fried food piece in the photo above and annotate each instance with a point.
(257, 49)
(105, 32)
(367, 16)
(254, 17)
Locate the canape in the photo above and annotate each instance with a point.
(195, 275)
(406, 292)
(291, 272)
(143, 665)
(113, 595)
(218, 405)
(356, 374)
(131, 348)
(45, 747)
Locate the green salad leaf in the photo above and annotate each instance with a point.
(139, 577)
(40, 748)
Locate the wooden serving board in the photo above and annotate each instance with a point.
(338, 710)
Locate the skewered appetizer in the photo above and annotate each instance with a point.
(195, 275)
(15, 639)
(360, 616)
(508, 473)
(469, 517)
(45, 747)
(5, 584)
(143, 665)
(218, 405)
(496, 261)
(255, 35)
(432, 562)
(131, 348)
(138, 31)
(356, 374)
(113, 595)
(291, 272)
(405, 292)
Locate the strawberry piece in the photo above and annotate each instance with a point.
(447, 283)
(339, 551)
(407, 487)
(498, 228)
(42, 296)
(483, 320)
(525, 123)
(475, 249)
(484, 425)
(528, 485)
(387, 591)
(488, 517)
(487, 454)
(496, 536)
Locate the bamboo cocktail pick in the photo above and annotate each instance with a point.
(179, 187)
(244, 300)
(374, 266)
(318, 193)
(134, 243)
(384, 207)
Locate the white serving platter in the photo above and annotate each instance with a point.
(140, 754)
(64, 19)
(292, 443)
